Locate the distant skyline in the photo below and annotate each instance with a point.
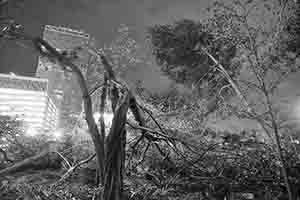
(98, 18)
(101, 19)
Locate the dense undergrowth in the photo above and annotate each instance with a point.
(179, 166)
(177, 153)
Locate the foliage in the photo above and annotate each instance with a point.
(10, 129)
(17, 144)
(263, 61)
(292, 28)
(176, 48)
(36, 186)
(268, 63)
(178, 155)
(123, 52)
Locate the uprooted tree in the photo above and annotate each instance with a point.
(215, 55)
(110, 151)
(187, 163)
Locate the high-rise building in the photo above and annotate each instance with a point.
(70, 42)
(27, 99)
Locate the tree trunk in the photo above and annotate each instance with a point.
(92, 126)
(115, 151)
(110, 158)
(46, 159)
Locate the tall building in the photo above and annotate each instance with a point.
(70, 42)
(27, 99)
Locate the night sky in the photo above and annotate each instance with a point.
(101, 18)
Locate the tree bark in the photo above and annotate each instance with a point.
(115, 151)
(41, 161)
(92, 126)
(110, 158)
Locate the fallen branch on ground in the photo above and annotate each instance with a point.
(42, 160)
(73, 168)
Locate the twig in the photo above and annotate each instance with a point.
(151, 116)
(137, 142)
(189, 164)
(64, 158)
(161, 129)
(97, 86)
(73, 168)
(144, 153)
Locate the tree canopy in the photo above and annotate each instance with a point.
(176, 48)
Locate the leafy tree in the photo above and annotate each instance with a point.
(257, 60)
(176, 48)
(268, 63)
(292, 28)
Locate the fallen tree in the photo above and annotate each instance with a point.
(109, 161)
(44, 160)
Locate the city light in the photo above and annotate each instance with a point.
(57, 134)
(27, 99)
(35, 131)
(108, 117)
(295, 141)
(31, 132)
(96, 116)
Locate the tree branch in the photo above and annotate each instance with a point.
(27, 163)
(73, 168)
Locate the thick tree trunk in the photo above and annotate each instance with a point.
(110, 158)
(115, 151)
(46, 159)
(92, 126)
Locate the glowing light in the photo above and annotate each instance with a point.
(31, 132)
(22, 92)
(96, 116)
(5, 108)
(108, 117)
(23, 97)
(17, 103)
(296, 141)
(57, 134)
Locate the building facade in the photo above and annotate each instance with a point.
(27, 99)
(63, 86)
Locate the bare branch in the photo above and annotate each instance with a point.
(64, 158)
(144, 153)
(73, 168)
(97, 86)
